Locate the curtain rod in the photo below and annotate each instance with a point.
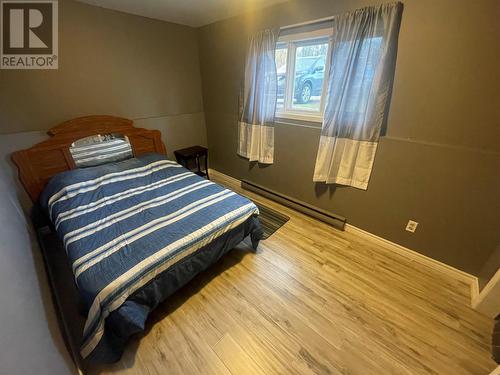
(307, 23)
(313, 21)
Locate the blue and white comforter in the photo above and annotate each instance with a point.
(123, 224)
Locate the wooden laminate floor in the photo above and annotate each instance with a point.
(313, 300)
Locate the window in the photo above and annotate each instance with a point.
(302, 62)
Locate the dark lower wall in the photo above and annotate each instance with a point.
(438, 164)
(109, 63)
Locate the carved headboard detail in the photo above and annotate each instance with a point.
(42, 161)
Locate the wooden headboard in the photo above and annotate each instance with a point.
(42, 161)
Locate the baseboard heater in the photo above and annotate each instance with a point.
(305, 208)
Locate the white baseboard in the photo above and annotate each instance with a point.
(222, 176)
(420, 258)
(401, 250)
(496, 371)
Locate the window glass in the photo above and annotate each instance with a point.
(301, 63)
(309, 76)
(281, 64)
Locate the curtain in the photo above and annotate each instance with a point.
(258, 99)
(359, 88)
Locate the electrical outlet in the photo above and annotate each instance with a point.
(411, 226)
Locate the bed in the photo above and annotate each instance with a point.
(132, 231)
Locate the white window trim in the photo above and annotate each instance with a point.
(300, 115)
(288, 112)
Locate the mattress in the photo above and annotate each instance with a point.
(136, 231)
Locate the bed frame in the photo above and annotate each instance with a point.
(36, 166)
(44, 160)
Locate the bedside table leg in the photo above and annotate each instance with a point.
(206, 166)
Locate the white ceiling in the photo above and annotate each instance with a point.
(186, 12)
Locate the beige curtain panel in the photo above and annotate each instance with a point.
(359, 89)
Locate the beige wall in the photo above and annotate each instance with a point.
(440, 161)
(111, 63)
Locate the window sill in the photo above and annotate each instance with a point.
(317, 119)
(300, 121)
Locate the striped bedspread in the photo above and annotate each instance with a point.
(125, 223)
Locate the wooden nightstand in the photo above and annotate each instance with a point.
(186, 155)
